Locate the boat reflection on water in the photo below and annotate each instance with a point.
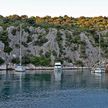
(58, 74)
(97, 75)
(20, 75)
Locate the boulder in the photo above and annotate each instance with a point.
(106, 68)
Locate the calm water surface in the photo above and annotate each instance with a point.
(38, 89)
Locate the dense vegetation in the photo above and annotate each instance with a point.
(1, 61)
(81, 23)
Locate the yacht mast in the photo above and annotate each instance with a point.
(20, 45)
(99, 49)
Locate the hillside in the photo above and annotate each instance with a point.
(43, 42)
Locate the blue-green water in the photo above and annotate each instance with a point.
(38, 89)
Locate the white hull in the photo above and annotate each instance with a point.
(99, 70)
(19, 69)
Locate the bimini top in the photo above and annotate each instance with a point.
(57, 64)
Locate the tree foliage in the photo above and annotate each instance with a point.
(42, 61)
(1, 61)
(84, 23)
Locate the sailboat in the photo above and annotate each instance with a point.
(19, 67)
(99, 69)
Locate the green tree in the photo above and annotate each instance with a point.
(1, 61)
(42, 61)
(15, 61)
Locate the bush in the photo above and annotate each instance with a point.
(4, 37)
(79, 63)
(24, 44)
(41, 41)
(29, 39)
(15, 61)
(42, 61)
(13, 31)
(26, 59)
(7, 49)
(1, 61)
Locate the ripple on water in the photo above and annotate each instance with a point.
(81, 98)
(75, 90)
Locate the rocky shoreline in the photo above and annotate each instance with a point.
(32, 67)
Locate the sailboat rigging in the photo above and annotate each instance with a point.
(19, 67)
(99, 69)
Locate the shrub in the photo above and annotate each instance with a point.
(79, 63)
(7, 49)
(1, 61)
(15, 61)
(13, 31)
(26, 59)
(42, 61)
(29, 39)
(24, 44)
(40, 41)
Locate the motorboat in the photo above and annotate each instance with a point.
(57, 66)
(98, 70)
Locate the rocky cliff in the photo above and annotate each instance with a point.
(69, 46)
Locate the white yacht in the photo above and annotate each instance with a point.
(98, 70)
(57, 66)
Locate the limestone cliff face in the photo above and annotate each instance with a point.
(68, 46)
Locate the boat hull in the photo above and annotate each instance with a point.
(99, 70)
(19, 69)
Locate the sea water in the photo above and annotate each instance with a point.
(39, 89)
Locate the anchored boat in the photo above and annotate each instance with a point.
(19, 67)
(57, 71)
